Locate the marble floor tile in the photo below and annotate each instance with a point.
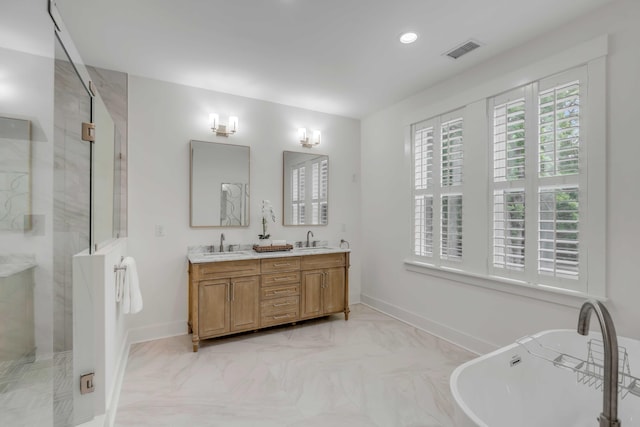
(372, 370)
(26, 394)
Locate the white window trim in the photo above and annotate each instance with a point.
(501, 284)
(593, 55)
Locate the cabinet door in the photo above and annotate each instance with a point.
(334, 290)
(213, 307)
(311, 303)
(244, 303)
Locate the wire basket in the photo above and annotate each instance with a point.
(590, 371)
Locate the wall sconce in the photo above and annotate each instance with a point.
(316, 137)
(222, 130)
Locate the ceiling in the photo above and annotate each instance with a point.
(336, 56)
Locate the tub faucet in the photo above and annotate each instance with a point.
(309, 232)
(221, 242)
(609, 415)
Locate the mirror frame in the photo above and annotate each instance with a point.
(191, 185)
(284, 190)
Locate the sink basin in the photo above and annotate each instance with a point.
(223, 254)
(317, 248)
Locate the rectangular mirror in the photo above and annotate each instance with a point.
(219, 185)
(15, 174)
(306, 189)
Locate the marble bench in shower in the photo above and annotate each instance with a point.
(17, 328)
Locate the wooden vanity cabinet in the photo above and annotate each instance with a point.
(223, 298)
(234, 296)
(324, 285)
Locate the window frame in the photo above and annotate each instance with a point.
(438, 191)
(476, 268)
(533, 183)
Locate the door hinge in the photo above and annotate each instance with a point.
(86, 383)
(88, 131)
(92, 88)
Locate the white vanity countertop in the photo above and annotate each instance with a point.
(196, 258)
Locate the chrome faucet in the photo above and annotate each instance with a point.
(221, 242)
(609, 415)
(309, 232)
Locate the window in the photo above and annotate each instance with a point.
(438, 188)
(298, 195)
(536, 183)
(509, 191)
(310, 199)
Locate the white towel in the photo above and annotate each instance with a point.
(131, 296)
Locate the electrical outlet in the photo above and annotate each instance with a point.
(160, 231)
(86, 383)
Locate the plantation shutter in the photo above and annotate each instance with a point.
(559, 140)
(438, 153)
(423, 191)
(536, 138)
(451, 228)
(451, 152)
(509, 116)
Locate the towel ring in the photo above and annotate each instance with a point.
(117, 268)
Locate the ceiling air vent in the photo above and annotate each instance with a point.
(466, 47)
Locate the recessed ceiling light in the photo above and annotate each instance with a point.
(407, 38)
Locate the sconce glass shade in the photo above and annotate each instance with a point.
(233, 124)
(316, 136)
(214, 120)
(302, 134)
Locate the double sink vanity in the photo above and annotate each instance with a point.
(231, 292)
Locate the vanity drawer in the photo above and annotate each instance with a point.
(311, 262)
(226, 269)
(280, 264)
(276, 319)
(280, 278)
(279, 305)
(280, 291)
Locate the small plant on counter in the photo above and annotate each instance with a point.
(267, 214)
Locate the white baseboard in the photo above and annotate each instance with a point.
(354, 299)
(121, 367)
(454, 336)
(157, 331)
(98, 421)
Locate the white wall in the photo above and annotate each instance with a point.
(480, 318)
(163, 118)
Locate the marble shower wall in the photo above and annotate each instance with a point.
(71, 187)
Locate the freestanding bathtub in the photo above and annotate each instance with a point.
(520, 385)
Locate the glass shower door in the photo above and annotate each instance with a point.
(73, 313)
